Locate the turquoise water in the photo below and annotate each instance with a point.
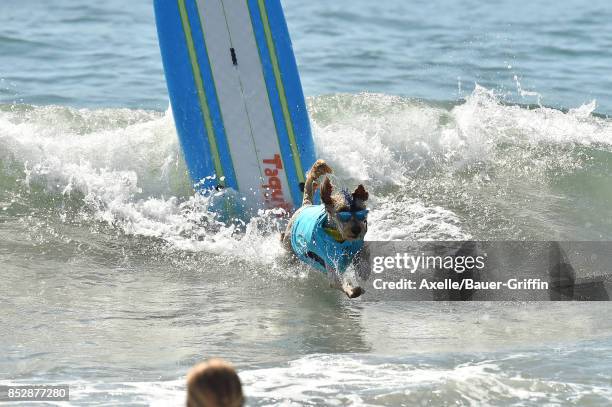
(465, 120)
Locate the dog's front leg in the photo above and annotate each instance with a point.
(335, 281)
(334, 277)
(362, 263)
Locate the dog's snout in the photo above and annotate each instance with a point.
(356, 229)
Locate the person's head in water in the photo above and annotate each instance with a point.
(214, 383)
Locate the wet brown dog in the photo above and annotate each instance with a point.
(342, 223)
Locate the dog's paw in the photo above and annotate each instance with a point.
(354, 292)
(320, 168)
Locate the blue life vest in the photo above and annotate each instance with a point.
(314, 246)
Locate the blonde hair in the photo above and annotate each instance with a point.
(214, 383)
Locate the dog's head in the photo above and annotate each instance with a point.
(346, 211)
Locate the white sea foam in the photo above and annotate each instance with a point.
(126, 164)
(366, 380)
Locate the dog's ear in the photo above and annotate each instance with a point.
(326, 192)
(360, 193)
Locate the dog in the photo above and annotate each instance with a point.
(329, 236)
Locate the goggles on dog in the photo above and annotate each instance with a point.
(345, 216)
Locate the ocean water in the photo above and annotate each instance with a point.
(464, 119)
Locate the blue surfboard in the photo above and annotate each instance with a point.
(237, 98)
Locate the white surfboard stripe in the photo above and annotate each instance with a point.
(233, 110)
(245, 108)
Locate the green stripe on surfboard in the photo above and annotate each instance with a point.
(281, 91)
(197, 75)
